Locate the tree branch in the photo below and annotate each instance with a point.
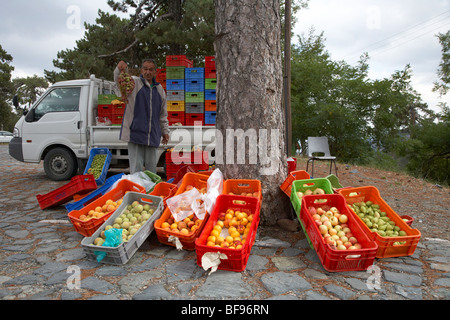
(120, 51)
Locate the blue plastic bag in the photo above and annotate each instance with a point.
(113, 238)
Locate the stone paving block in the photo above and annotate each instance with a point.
(282, 282)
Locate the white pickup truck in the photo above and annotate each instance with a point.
(61, 128)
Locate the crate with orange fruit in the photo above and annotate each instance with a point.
(231, 230)
(243, 187)
(167, 228)
(88, 219)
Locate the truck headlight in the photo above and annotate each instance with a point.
(16, 133)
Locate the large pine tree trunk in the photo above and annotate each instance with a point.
(249, 99)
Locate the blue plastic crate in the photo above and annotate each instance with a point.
(194, 73)
(95, 151)
(80, 204)
(194, 85)
(210, 94)
(174, 84)
(210, 117)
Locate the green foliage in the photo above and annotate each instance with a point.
(7, 118)
(370, 122)
(443, 85)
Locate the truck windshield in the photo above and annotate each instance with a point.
(59, 100)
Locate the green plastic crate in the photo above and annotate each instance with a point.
(303, 185)
(155, 178)
(334, 181)
(175, 72)
(106, 98)
(194, 97)
(210, 84)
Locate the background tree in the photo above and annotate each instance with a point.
(29, 89)
(249, 95)
(7, 118)
(443, 84)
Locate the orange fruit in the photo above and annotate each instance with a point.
(98, 209)
(215, 233)
(219, 240)
(165, 225)
(229, 239)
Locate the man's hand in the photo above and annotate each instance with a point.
(165, 139)
(122, 66)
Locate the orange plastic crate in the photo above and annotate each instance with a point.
(334, 260)
(387, 246)
(239, 186)
(210, 105)
(236, 258)
(198, 181)
(87, 228)
(165, 190)
(286, 186)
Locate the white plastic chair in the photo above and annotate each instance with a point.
(318, 149)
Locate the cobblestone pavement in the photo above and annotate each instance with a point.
(39, 258)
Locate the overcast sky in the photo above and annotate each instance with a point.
(394, 33)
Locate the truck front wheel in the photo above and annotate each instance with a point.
(60, 164)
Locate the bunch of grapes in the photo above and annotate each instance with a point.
(126, 85)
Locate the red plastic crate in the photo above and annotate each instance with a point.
(197, 161)
(78, 185)
(236, 258)
(192, 119)
(176, 118)
(334, 260)
(210, 62)
(239, 186)
(87, 228)
(116, 119)
(198, 181)
(118, 109)
(387, 246)
(105, 110)
(210, 73)
(286, 186)
(178, 61)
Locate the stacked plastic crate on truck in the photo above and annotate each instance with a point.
(161, 77)
(210, 91)
(175, 67)
(107, 109)
(194, 84)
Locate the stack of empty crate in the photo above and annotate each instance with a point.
(161, 77)
(107, 110)
(194, 92)
(210, 91)
(175, 86)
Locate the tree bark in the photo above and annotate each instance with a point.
(249, 99)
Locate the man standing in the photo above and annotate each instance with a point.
(145, 118)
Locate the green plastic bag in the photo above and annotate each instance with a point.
(113, 238)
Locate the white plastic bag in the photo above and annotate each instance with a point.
(214, 189)
(181, 206)
(140, 178)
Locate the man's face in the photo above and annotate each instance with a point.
(148, 71)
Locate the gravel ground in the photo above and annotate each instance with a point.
(36, 255)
